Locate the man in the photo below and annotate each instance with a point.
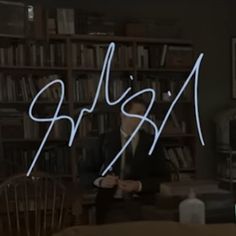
(133, 176)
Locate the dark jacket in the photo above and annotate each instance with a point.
(150, 170)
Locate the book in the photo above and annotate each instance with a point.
(51, 24)
(181, 157)
(179, 56)
(173, 157)
(143, 57)
(65, 21)
(163, 55)
(155, 56)
(176, 122)
(38, 15)
(188, 156)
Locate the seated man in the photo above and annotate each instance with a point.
(132, 177)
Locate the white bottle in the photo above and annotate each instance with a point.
(192, 210)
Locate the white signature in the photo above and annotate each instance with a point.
(105, 74)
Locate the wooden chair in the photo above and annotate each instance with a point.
(31, 206)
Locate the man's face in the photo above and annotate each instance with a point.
(130, 122)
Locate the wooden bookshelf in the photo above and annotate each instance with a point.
(63, 55)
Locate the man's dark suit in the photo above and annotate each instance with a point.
(150, 170)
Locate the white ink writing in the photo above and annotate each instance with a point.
(106, 74)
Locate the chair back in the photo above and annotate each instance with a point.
(31, 206)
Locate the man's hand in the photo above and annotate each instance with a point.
(109, 181)
(129, 186)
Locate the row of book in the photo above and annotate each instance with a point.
(54, 54)
(104, 122)
(162, 87)
(86, 86)
(85, 127)
(93, 55)
(34, 54)
(66, 21)
(12, 120)
(87, 55)
(29, 129)
(181, 157)
(96, 124)
(167, 56)
(24, 88)
(54, 160)
(173, 125)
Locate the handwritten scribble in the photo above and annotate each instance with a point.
(105, 74)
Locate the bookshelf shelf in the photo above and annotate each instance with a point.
(121, 39)
(6, 36)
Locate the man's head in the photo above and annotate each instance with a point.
(136, 106)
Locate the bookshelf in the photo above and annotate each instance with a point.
(29, 63)
(226, 167)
